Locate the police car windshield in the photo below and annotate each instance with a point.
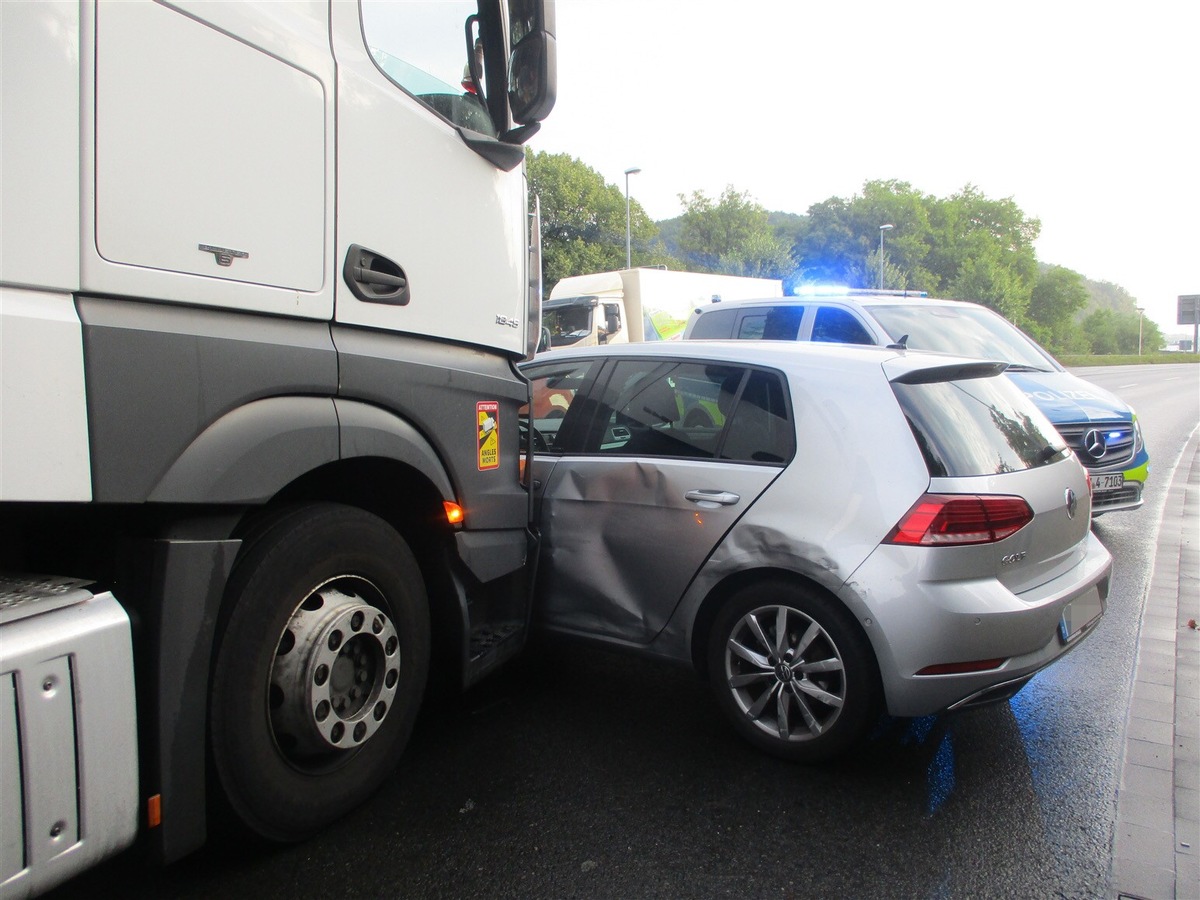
(966, 331)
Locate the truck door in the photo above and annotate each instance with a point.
(431, 235)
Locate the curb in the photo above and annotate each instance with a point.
(1156, 843)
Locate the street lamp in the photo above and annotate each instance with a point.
(628, 253)
(882, 229)
(1141, 312)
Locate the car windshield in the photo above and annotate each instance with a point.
(964, 331)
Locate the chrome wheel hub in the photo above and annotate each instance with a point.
(785, 673)
(336, 669)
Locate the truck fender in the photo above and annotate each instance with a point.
(371, 431)
(368, 430)
(249, 454)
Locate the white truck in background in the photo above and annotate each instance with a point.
(633, 305)
(260, 461)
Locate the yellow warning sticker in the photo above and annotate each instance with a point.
(487, 414)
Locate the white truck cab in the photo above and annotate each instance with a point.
(267, 270)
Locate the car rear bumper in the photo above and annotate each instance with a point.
(925, 624)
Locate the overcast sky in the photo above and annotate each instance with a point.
(1087, 114)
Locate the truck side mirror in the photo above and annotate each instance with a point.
(533, 65)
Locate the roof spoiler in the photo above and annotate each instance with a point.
(951, 372)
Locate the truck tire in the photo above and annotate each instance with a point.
(792, 672)
(319, 669)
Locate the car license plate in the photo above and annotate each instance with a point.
(1101, 483)
(1078, 614)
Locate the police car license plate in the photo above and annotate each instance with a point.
(1107, 482)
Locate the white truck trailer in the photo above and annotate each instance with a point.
(259, 448)
(643, 304)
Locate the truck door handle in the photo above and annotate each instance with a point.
(712, 499)
(373, 278)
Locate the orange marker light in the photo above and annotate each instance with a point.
(454, 512)
(154, 811)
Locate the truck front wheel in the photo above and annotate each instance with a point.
(320, 668)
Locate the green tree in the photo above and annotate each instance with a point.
(985, 279)
(1110, 332)
(730, 235)
(982, 250)
(1100, 329)
(1106, 295)
(1153, 340)
(966, 246)
(583, 219)
(1058, 296)
(840, 241)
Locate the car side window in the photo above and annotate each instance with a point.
(760, 428)
(836, 325)
(716, 324)
(555, 390)
(781, 323)
(656, 408)
(752, 326)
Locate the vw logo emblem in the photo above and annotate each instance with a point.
(1072, 503)
(1093, 444)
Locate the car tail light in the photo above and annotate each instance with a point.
(958, 519)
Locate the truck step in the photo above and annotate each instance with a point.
(68, 749)
(486, 638)
(30, 595)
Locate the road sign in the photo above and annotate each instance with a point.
(1189, 309)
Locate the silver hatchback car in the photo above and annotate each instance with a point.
(823, 531)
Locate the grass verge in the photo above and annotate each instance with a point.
(1148, 359)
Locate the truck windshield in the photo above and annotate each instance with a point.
(965, 331)
(568, 324)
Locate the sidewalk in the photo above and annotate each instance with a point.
(1156, 852)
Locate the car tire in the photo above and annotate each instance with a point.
(320, 668)
(807, 697)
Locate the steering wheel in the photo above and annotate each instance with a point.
(539, 443)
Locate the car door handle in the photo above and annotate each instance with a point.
(715, 498)
(373, 278)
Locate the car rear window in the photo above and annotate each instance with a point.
(977, 426)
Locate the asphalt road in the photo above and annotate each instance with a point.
(579, 772)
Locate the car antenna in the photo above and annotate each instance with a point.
(901, 344)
